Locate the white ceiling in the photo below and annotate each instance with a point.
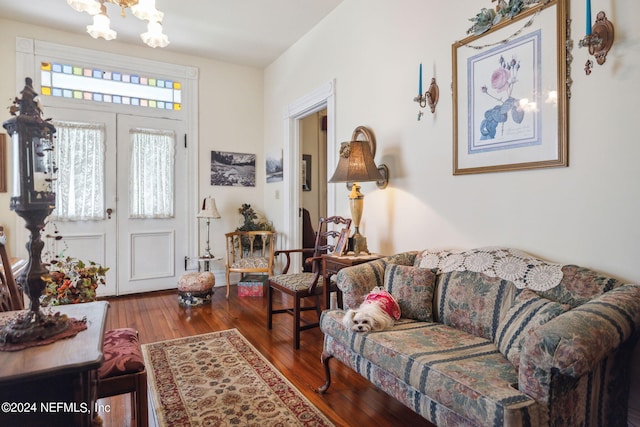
(248, 32)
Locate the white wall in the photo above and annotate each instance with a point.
(584, 214)
(230, 120)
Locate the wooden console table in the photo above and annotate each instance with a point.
(331, 264)
(54, 384)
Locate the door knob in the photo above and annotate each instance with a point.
(109, 212)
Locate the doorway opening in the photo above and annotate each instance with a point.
(321, 99)
(313, 146)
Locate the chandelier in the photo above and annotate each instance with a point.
(142, 9)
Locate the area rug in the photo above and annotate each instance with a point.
(220, 379)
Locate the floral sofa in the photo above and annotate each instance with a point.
(493, 336)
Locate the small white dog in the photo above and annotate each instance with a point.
(377, 312)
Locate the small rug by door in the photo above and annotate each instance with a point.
(220, 379)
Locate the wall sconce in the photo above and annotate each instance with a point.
(430, 97)
(599, 38)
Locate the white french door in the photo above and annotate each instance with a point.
(95, 239)
(143, 254)
(151, 251)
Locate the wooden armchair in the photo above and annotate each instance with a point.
(249, 252)
(306, 285)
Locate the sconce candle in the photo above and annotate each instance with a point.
(588, 17)
(420, 80)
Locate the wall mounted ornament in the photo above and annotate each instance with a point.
(430, 97)
(598, 39)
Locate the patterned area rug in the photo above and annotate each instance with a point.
(220, 379)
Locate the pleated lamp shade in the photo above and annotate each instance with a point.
(209, 209)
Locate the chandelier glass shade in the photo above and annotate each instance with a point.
(144, 10)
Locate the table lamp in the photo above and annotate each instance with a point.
(208, 211)
(356, 165)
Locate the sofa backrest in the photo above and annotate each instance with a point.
(474, 292)
(579, 285)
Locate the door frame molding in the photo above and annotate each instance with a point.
(322, 97)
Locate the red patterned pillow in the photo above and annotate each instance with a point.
(122, 353)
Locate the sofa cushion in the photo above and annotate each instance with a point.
(529, 311)
(413, 288)
(473, 302)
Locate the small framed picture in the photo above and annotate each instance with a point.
(305, 172)
(341, 243)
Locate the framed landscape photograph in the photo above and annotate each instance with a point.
(510, 94)
(274, 167)
(233, 169)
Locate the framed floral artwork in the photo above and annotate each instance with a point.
(510, 95)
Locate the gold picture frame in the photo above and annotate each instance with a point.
(3, 163)
(510, 94)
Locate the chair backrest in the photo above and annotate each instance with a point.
(329, 230)
(10, 294)
(250, 251)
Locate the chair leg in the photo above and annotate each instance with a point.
(228, 284)
(318, 306)
(142, 408)
(269, 306)
(296, 322)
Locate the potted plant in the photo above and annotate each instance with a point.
(72, 281)
(251, 222)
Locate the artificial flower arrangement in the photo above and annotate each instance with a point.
(71, 281)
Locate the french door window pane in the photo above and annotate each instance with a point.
(80, 157)
(151, 193)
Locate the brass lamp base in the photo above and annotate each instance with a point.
(30, 326)
(360, 244)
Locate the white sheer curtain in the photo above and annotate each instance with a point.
(80, 159)
(151, 173)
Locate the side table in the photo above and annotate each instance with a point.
(54, 384)
(331, 264)
(204, 263)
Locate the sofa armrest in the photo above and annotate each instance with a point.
(574, 342)
(357, 281)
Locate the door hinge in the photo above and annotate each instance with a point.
(185, 140)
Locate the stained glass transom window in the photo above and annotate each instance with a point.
(93, 84)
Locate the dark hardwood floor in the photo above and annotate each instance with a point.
(350, 401)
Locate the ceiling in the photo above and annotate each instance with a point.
(247, 32)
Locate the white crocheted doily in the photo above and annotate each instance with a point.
(524, 270)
